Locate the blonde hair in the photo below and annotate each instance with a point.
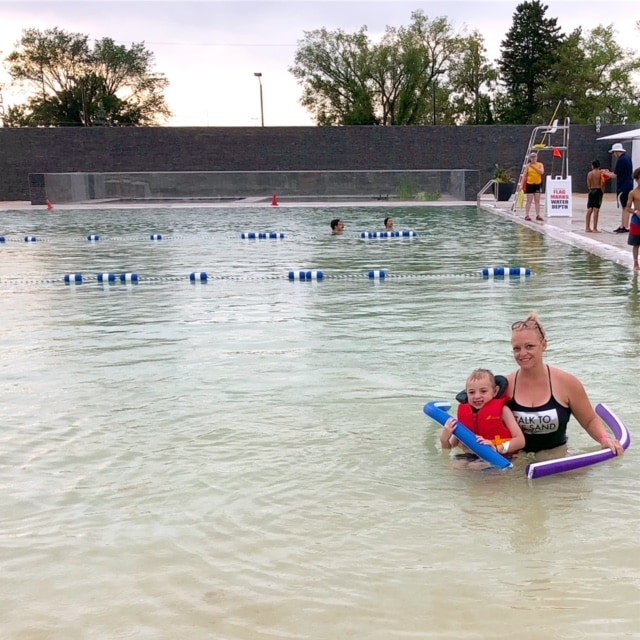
(534, 319)
(478, 374)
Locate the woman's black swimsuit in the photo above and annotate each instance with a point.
(544, 427)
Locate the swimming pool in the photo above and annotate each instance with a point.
(247, 458)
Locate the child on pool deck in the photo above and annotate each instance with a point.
(486, 414)
(633, 209)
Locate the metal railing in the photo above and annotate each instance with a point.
(491, 184)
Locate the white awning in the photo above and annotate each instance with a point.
(634, 134)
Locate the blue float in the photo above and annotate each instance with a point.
(106, 277)
(306, 276)
(129, 277)
(380, 234)
(409, 234)
(73, 278)
(438, 411)
(489, 272)
(30, 239)
(377, 274)
(93, 238)
(198, 276)
(155, 236)
(2, 239)
(262, 235)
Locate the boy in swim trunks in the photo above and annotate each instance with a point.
(633, 209)
(594, 202)
(486, 414)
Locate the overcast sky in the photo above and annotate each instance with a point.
(210, 51)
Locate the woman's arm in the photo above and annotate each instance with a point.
(578, 401)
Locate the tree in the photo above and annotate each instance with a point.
(348, 80)
(594, 78)
(472, 79)
(528, 53)
(72, 84)
(333, 68)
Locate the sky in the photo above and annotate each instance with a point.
(210, 50)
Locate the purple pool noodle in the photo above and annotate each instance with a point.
(570, 463)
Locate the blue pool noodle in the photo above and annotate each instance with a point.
(437, 411)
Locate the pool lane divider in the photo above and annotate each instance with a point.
(300, 275)
(388, 234)
(94, 237)
(501, 272)
(262, 235)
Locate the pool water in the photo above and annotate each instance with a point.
(248, 458)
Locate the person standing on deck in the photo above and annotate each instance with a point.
(533, 185)
(624, 182)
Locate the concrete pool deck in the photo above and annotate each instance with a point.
(570, 230)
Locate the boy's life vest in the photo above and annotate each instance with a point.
(487, 421)
(466, 414)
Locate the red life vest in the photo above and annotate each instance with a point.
(487, 422)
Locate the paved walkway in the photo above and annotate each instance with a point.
(571, 230)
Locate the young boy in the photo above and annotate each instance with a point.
(595, 179)
(633, 209)
(486, 414)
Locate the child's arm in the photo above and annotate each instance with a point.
(517, 437)
(633, 203)
(447, 439)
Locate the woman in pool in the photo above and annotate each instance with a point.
(543, 397)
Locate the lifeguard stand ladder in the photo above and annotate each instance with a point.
(553, 138)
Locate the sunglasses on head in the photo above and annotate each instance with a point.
(528, 324)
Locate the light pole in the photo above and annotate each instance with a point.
(258, 75)
(435, 86)
(84, 100)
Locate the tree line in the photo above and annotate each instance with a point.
(426, 73)
(70, 83)
(419, 74)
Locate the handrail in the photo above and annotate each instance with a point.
(483, 191)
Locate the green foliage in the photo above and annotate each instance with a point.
(594, 77)
(425, 73)
(346, 79)
(72, 84)
(529, 51)
(407, 190)
(427, 196)
(472, 80)
(502, 174)
(334, 70)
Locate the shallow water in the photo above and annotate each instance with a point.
(248, 458)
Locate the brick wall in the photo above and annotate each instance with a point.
(97, 149)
